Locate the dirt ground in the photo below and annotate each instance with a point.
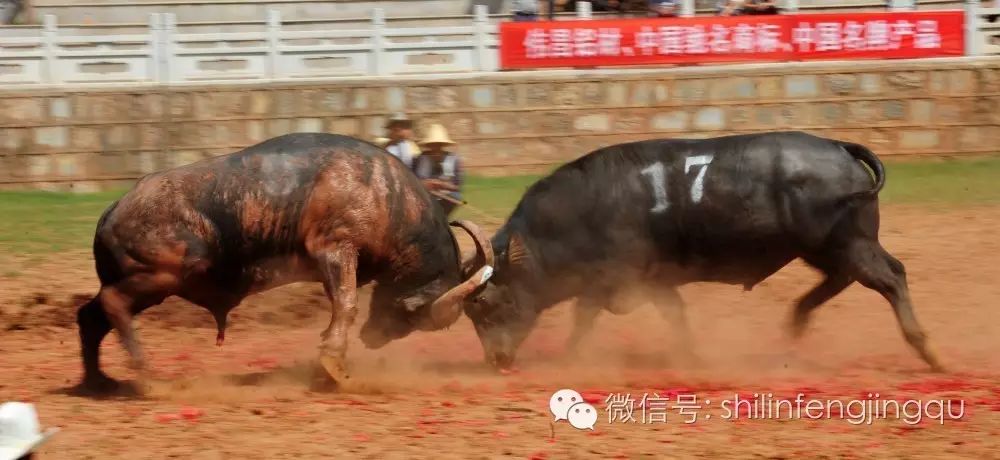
(430, 394)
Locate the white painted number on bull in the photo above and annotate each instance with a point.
(698, 187)
(659, 182)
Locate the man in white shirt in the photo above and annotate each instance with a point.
(400, 139)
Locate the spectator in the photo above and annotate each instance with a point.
(760, 7)
(19, 433)
(440, 170)
(606, 5)
(664, 8)
(400, 139)
(9, 9)
(525, 10)
(749, 7)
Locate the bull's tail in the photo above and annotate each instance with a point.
(866, 156)
(108, 271)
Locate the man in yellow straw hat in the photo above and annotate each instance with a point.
(439, 169)
(399, 141)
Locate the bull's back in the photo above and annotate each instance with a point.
(244, 218)
(707, 208)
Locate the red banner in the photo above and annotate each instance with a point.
(787, 37)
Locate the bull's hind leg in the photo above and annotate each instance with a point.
(114, 306)
(835, 282)
(129, 297)
(93, 325)
(878, 270)
(339, 270)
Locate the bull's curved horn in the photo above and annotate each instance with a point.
(484, 248)
(447, 308)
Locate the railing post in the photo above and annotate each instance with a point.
(972, 39)
(273, 42)
(376, 67)
(155, 46)
(687, 9)
(480, 22)
(50, 47)
(901, 5)
(169, 65)
(583, 10)
(791, 6)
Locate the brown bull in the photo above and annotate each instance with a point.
(299, 207)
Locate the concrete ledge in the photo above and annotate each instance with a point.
(638, 73)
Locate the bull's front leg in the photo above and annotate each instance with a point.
(672, 307)
(339, 270)
(585, 312)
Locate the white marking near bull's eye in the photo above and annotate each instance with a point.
(658, 180)
(698, 187)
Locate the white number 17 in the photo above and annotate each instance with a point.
(658, 179)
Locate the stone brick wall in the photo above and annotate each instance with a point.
(96, 138)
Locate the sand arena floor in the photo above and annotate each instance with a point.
(430, 395)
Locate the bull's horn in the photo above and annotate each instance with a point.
(447, 308)
(483, 247)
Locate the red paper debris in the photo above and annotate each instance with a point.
(807, 391)
(191, 413)
(594, 396)
(361, 437)
(904, 430)
(937, 385)
(538, 456)
(166, 418)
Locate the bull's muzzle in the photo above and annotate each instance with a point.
(374, 339)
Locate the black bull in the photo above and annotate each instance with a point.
(657, 214)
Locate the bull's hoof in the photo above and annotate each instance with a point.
(500, 361)
(322, 382)
(334, 368)
(100, 385)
